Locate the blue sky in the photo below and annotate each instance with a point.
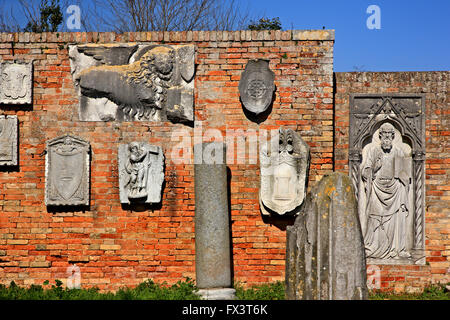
(414, 34)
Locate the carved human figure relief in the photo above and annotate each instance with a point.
(67, 171)
(284, 165)
(141, 173)
(134, 82)
(387, 168)
(8, 140)
(16, 82)
(385, 207)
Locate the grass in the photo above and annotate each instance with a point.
(186, 290)
(148, 290)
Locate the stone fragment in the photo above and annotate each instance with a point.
(8, 140)
(16, 83)
(212, 226)
(256, 86)
(134, 82)
(67, 171)
(325, 257)
(284, 168)
(141, 173)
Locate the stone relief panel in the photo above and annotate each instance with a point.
(141, 173)
(284, 168)
(16, 83)
(8, 140)
(256, 86)
(67, 172)
(134, 82)
(387, 153)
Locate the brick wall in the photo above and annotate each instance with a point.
(436, 86)
(116, 246)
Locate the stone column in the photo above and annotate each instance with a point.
(212, 229)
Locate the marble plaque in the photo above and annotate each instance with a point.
(386, 160)
(16, 83)
(141, 173)
(67, 172)
(284, 169)
(134, 82)
(8, 140)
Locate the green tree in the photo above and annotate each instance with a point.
(265, 24)
(48, 20)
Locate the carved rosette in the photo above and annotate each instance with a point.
(284, 168)
(67, 172)
(407, 114)
(141, 173)
(256, 86)
(8, 140)
(16, 82)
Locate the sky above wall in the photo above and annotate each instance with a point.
(414, 35)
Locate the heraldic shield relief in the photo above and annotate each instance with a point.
(67, 171)
(283, 173)
(16, 83)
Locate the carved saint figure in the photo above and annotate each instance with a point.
(386, 184)
(137, 169)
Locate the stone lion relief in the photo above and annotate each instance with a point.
(16, 83)
(67, 172)
(284, 169)
(134, 82)
(141, 173)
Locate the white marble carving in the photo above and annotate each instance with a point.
(16, 83)
(385, 200)
(283, 173)
(8, 140)
(141, 173)
(134, 82)
(67, 172)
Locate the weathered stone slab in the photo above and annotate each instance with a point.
(16, 82)
(141, 173)
(325, 250)
(8, 140)
(386, 157)
(212, 227)
(67, 172)
(134, 82)
(284, 168)
(256, 86)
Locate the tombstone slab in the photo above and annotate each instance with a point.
(325, 257)
(67, 172)
(256, 86)
(8, 140)
(16, 83)
(141, 173)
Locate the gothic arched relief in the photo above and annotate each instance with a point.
(386, 160)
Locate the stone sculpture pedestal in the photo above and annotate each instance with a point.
(212, 229)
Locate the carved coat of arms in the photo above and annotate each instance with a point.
(256, 86)
(141, 173)
(283, 173)
(67, 171)
(15, 82)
